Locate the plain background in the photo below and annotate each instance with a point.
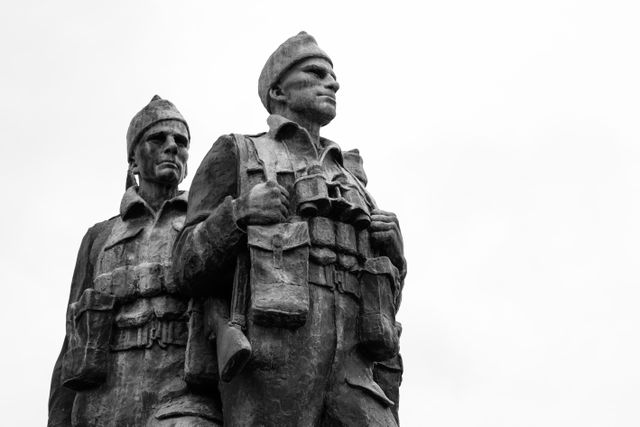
(504, 135)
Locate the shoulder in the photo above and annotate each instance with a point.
(223, 153)
(100, 228)
(353, 163)
(98, 233)
(215, 178)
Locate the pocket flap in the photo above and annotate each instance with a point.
(370, 386)
(381, 265)
(123, 231)
(189, 405)
(281, 237)
(394, 364)
(93, 300)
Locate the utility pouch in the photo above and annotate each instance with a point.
(346, 244)
(377, 332)
(346, 241)
(364, 246)
(90, 322)
(322, 232)
(279, 258)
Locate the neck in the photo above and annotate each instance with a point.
(156, 194)
(311, 127)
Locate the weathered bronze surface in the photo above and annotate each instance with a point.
(122, 362)
(269, 299)
(284, 243)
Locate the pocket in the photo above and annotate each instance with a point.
(279, 272)
(90, 322)
(377, 330)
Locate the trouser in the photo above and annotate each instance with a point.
(310, 376)
(145, 387)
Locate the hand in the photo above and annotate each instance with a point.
(266, 203)
(386, 237)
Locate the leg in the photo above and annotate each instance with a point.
(284, 382)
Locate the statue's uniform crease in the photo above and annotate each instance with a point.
(313, 374)
(123, 358)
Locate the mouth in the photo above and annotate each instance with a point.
(331, 98)
(168, 163)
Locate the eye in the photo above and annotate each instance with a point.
(318, 72)
(181, 140)
(156, 138)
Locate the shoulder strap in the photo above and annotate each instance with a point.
(249, 163)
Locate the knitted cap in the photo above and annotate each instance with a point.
(157, 110)
(293, 50)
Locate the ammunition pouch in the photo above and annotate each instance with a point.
(379, 287)
(89, 324)
(145, 280)
(164, 332)
(345, 282)
(279, 259)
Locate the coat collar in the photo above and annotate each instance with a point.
(283, 129)
(133, 205)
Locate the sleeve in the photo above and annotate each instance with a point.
(205, 251)
(60, 397)
(354, 164)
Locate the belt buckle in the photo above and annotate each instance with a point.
(153, 333)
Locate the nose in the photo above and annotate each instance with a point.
(333, 84)
(170, 145)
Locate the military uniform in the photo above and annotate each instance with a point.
(309, 366)
(123, 358)
(143, 371)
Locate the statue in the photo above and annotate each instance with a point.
(299, 273)
(123, 357)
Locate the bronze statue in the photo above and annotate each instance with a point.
(123, 358)
(299, 273)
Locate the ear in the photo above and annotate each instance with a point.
(133, 166)
(277, 94)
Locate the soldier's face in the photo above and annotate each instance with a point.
(309, 88)
(162, 153)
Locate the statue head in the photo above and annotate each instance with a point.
(298, 81)
(158, 144)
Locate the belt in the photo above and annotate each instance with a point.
(329, 276)
(164, 332)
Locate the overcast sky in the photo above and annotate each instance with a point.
(503, 134)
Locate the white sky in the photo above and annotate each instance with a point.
(504, 135)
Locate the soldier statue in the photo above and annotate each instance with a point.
(299, 272)
(123, 358)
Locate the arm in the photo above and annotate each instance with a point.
(386, 238)
(60, 397)
(207, 246)
(385, 228)
(205, 252)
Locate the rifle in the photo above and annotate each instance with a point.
(232, 346)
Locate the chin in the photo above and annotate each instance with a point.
(325, 114)
(169, 178)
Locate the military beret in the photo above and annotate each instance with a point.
(157, 110)
(293, 50)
